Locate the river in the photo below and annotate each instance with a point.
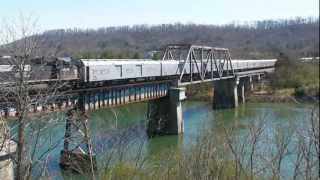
(120, 132)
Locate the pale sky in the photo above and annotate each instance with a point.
(56, 14)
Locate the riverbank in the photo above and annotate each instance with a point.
(266, 94)
(200, 92)
(288, 95)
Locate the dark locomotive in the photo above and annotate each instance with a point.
(38, 70)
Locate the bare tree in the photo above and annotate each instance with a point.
(308, 147)
(21, 95)
(237, 147)
(255, 132)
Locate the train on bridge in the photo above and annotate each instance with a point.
(119, 81)
(96, 71)
(91, 84)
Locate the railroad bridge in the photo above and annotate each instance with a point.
(109, 83)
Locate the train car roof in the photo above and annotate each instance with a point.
(97, 62)
(251, 60)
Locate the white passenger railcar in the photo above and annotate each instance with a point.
(94, 70)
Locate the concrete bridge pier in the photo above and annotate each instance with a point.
(242, 90)
(229, 93)
(248, 84)
(260, 81)
(251, 83)
(225, 93)
(165, 114)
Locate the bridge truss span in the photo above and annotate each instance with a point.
(200, 63)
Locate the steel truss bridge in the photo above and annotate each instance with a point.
(109, 83)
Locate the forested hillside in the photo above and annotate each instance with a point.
(262, 39)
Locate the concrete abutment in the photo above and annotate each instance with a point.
(225, 93)
(242, 90)
(229, 93)
(165, 114)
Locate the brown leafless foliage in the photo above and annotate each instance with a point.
(261, 39)
(262, 151)
(237, 148)
(20, 40)
(307, 163)
(255, 132)
(295, 144)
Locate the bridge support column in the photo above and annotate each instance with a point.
(165, 114)
(77, 154)
(225, 93)
(251, 83)
(242, 90)
(110, 98)
(260, 82)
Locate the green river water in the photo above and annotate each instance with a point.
(120, 132)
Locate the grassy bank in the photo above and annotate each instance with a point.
(281, 95)
(302, 77)
(292, 81)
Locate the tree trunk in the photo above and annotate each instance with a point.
(20, 149)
